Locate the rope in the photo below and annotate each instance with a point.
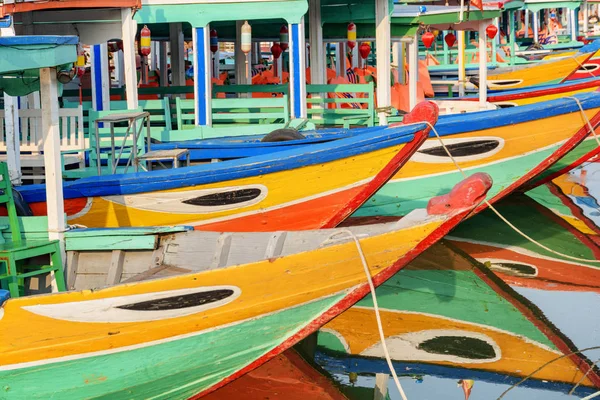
(545, 365)
(591, 396)
(582, 66)
(498, 213)
(585, 118)
(376, 308)
(384, 109)
(582, 378)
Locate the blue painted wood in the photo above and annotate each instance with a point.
(97, 60)
(241, 168)
(296, 81)
(201, 76)
(37, 40)
(6, 21)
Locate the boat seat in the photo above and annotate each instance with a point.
(20, 258)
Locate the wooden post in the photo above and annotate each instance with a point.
(297, 70)
(317, 55)
(381, 386)
(496, 41)
(177, 54)
(382, 48)
(398, 60)
(202, 81)
(52, 161)
(526, 27)
(164, 69)
(128, 31)
(536, 15)
(586, 16)
(573, 25)
(413, 70)
(511, 37)
(482, 65)
(446, 49)
(461, 63)
(100, 78)
(240, 57)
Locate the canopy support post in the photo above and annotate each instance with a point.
(100, 78)
(128, 32)
(177, 54)
(382, 48)
(461, 63)
(413, 70)
(482, 66)
(317, 55)
(12, 128)
(202, 76)
(298, 70)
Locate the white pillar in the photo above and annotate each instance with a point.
(202, 78)
(383, 43)
(340, 59)
(177, 54)
(297, 70)
(526, 27)
(536, 15)
(12, 128)
(128, 31)
(413, 71)
(52, 161)
(586, 16)
(572, 25)
(317, 55)
(240, 58)
(482, 65)
(461, 63)
(164, 69)
(119, 63)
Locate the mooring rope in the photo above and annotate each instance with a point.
(507, 222)
(585, 118)
(352, 236)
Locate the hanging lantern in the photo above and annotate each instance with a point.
(364, 50)
(284, 38)
(80, 63)
(246, 44)
(276, 50)
(351, 35)
(436, 32)
(145, 41)
(427, 39)
(450, 39)
(491, 31)
(214, 41)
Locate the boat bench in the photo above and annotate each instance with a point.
(238, 112)
(353, 104)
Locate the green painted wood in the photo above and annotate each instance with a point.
(105, 243)
(290, 10)
(251, 89)
(13, 59)
(175, 369)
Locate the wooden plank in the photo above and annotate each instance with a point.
(147, 242)
(381, 386)
(341, 88)
(115, 269)
(275, 244)
(250, 103)
(222, 251)
(71, 269)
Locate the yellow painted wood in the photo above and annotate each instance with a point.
(266, 287)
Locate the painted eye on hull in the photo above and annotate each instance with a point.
(464, 149)
(514, 269)
(225, 198)
(459, 346)
(508, 82)
(588, 68)
(179, 302)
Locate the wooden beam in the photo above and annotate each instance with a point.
(317, 55)
(413, 71)
(20, 7)
(71, 269)
(115, 270)
(482, 64)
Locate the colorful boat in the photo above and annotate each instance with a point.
(250, 297)
(540, 73)
(447, 309)
(536, 94)
(518, 261)
(304, 188)
(493, 142)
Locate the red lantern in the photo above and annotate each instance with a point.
(364, 50)
(427, 39)
(351, 35)
(450, 39)
(491, 31)
(145, 41)
(276, 50)
(214, 41)
(284, 38)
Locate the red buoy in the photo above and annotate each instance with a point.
(284, 38)
(145, 41)
(214, 41)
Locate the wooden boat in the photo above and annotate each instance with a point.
(556, 139)
(536, 94)
(245, 300)
(520, 262)
(304, 188)
(540, 73)
(447, 309)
